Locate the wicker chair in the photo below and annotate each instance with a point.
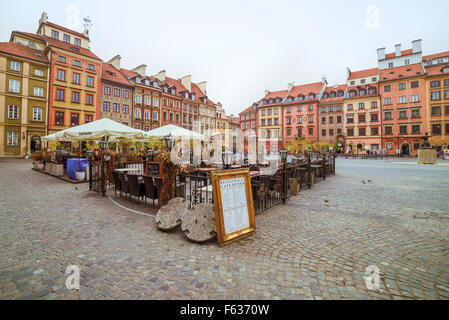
(150, 188)
(136, 189)
(124, 184)
(117, 183)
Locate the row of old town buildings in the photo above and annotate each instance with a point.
(51, 80)
(388, 108)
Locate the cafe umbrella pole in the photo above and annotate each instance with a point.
(103, 147)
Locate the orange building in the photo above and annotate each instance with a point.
(75, 73)
(437, 69)
(403, 91)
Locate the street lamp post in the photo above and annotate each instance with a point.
(103, 147)
(284, 154)
(226, 158)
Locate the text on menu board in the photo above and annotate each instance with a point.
(234, 202)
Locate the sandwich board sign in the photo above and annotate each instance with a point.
(233, 205)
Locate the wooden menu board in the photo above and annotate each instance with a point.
(153, 169)
(233, 205)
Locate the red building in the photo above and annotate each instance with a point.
(300, 111)
(248, 123)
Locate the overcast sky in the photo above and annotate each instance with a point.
(242, 47)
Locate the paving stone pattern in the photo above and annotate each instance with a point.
(391, 214)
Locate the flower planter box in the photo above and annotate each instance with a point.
(48, 167)
(57, 169)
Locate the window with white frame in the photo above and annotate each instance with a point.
(38, 91)
(77, 42)
(13, 112)
(14, 85)
(155, 102)
(138, 98)
(242, 126)
(138, 113)
(414, 97)
(402, 99)
(155, 115)
(37, 114)
(13, 138)
(146, 114)
(147, 101)
(39, 72)
(15, 65)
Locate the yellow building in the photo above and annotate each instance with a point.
(270, 119)
(437, 94)
(24, 72)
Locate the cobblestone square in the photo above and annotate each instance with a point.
(393, 214)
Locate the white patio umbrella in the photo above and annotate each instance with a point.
(96, 130)
(175, 131)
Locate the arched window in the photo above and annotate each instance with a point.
(352, 93)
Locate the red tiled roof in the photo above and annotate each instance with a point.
(436, 55)
(27, 34)
(276, 94)
(332, 88)
(128, 73)
(437, 70)
(249, 109)
(110, 73)
(176, 83)
(20, 50)
(403, 53)
(305, 89)
(412, 70)
(363, 73)
(70, 47)
(60, 44)
(54, 25)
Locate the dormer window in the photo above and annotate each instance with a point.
(173, 91)
(446, 70)
(193, 96)
(55, 34)
(147, 82)
(165, 89)
(77, 42)
(137, 79)
(186, 95)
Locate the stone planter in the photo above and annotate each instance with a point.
(57, 169)
(80, 175)
(48, 167)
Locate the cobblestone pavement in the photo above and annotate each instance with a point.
(392, 214)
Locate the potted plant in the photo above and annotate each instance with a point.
(80, 174)
(37, 157)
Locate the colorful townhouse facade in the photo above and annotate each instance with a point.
(117, 92)
(402, 81)
(75, 75)
(331, 115)
(249, 125)
(362, 111)
(300, 111)
(437, 93)
(270, 120)
(24, 73)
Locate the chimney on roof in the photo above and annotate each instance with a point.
(323, 79)
(290, 87)
(140, 70)
(115, 62)
(160, 76)
(44, 18)
(398, 50)
(267, 92)
(381, 53)
(202, 85)
(86, 33)
(187, 82)
(348, 72)
(417, 46)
